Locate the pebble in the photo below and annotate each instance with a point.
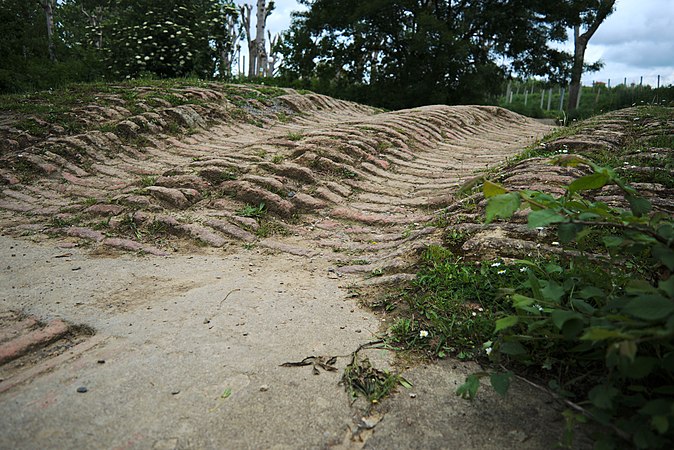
(82, 389)
(413, 395)
(264, 388)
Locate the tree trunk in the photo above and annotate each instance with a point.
(245, 11)
(261, 51)
(580, 41)
(48, 7)
(579, 46)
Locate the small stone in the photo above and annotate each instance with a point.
(413, 395)
(359, 331)
(82, 389)
(264, 388)
(101, 361)
(207, 321)
(175, 392)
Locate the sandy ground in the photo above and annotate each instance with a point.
(177, 333)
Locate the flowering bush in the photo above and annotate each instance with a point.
(167, 38)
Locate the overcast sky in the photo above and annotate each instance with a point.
(636, 40)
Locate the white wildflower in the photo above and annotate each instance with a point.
(474, 314)
(501, 272)
(496, 264)
(523, 269)
(538, 307)
(423, 333)
(488, 350)
(555, 243)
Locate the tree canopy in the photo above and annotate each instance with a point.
(402, 53)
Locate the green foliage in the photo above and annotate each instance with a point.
(603, 329)
(255, 212)
(167, 38)
(456, 302)
(444, 52)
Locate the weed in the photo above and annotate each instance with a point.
(361, 378)
(294, 136)
(270, 227)
(148, 180)
(256, 212)
(90, 201)
(282, 117)
(277, 159)
(261, 153)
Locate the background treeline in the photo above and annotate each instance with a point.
(387, 53)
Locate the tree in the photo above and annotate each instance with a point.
(585, 17)
(48, 7)
(257, 52)
(402, 53)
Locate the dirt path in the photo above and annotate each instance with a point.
(183, 351)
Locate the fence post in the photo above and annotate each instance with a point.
(549, 98)
(561, 100)
(542, 97)
(658, 81)
(526, 96)
(609, 83)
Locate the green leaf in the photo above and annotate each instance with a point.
(506, 322)
(226, 393)
(404, 383)
(650, 307)
(582, 306)
(469, 388)
(553, 292)
(628, 349)
(601, 334)
(593, 181)
(638, 205)
(660, 423)
(667, 286)
(513, 348)
(560, 317)
(568, 160)
(520, 301)
(612, 241)
(543, 218)
(602, 396)
(567, 232)
(502, 206)
(501, 382)
(665, 255)
(492, 189)
(657, 407)
(591, 292)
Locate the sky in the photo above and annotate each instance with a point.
(636, 41)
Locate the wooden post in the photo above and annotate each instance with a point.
(596, 100)
(526, 96)
(510, 100)
(549, 98)
(542, 97)
(658, 81)
(609, 83)
(625, 82)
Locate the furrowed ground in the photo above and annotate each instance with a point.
(169, 245)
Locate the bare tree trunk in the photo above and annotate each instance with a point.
(260, 24)
(580, 42)
(48, 7)
(95, 19)
(274, 43)
(245, 11)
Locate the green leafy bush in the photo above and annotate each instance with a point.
(601, 325)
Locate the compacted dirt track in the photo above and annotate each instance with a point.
(171, 276)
